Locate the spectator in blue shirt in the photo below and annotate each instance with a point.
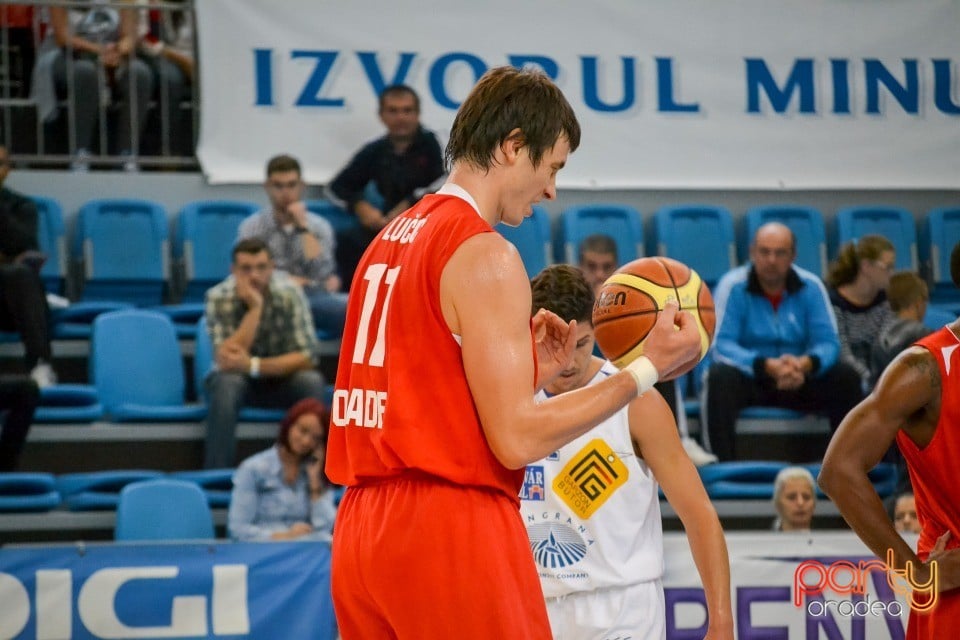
(282, 493)
(776, 343)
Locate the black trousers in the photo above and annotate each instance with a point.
(19, 397)
(23, 309)
(729, 390)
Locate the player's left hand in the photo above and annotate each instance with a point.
(555, 341)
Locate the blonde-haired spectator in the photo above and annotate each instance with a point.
(794, 498)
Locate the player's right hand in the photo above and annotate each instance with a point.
(673, 345)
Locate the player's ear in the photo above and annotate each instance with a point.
(512, 144)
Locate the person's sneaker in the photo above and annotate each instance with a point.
(80, 162)
(698, 456)
(43, 375)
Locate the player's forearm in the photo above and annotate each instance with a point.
(709, 549)
(850, 489)
(534, 432)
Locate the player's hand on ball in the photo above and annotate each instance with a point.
(555, 341)
(673, 345)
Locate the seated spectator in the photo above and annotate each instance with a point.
(23, 300)
(302, 243)
(93, 45)
(795, 499)
(776, 343)
(908, 297)
(166, 45)
(598, 260)
(19, 397)
(905, 514)
(264, 345)
(857, 282)
(403, 165)
(282, 493)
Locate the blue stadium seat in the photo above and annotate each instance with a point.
(203, 363)
(893, 223)
(621, 222)
(937, 317)
(532, 239)
(136, 366)
(28, 492)
(124, 246)
(163, 509)
(807, 226)
(51, 237)
(939, 233)
(742, 480)
(68, 403)
(338, 218)
(98, 490)
(217, 484)
(700, 236)
(76, 321)
(205, 234)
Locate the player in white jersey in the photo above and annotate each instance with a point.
(592, 509)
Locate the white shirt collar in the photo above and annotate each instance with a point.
(451, 189)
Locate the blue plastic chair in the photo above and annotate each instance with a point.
(136, 366)
(203, 363)
(744, 480)
(124, 244)
(338, 217)
(28, 492)
(807, 226)
(894, 223)
(68, 403)
(939, 233)
(216, 484)
(621, 222)
(699, 235)
(205, 234)
(98, 490)
(51, 238)
(532, 239)
(163, 509)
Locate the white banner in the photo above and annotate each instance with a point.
(671, 95)
(765, 570)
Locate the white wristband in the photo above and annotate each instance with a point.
(644, 374)
(254, 367)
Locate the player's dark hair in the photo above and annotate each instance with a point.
(504, 99)
(562, 289)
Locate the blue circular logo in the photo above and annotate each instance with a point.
(556, 546)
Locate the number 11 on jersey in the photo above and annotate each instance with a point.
(374, 275)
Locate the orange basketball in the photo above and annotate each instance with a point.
(629, 301)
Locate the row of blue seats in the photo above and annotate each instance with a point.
(100, 490)
(706, 237)
(137, 375)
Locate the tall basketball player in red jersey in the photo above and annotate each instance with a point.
(433, 416)
(917, 402)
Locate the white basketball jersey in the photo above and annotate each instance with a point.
(592, 511)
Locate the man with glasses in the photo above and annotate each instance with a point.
(776, 343)
(302, 243)
(264, 345)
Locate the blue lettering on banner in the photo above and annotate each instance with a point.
(163, 591)
(880, 80)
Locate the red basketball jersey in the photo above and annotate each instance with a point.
(936, 483)
(401, 401)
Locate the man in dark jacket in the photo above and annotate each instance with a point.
(23, 301)
(402, 165)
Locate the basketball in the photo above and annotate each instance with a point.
(629, 301)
